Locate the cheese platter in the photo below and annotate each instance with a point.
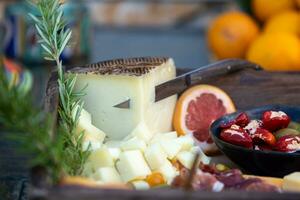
(138, 128)
(238, 84)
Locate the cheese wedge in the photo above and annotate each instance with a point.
(132, 166)
(155, 156)
(113, 82)
(291, 182)
(107, 175)
(101, 158)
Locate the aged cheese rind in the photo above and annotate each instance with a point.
(108, 89)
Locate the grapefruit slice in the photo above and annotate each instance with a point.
(196, 109)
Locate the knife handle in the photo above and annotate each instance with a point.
(218, 69)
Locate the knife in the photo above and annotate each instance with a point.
(201, 74)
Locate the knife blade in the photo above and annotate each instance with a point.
(182, 82)
(201, 74)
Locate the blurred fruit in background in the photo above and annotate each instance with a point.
(234, 34)
(287, 21)
(231, 33)
(264, 9)
(276, 51)
(18, 76)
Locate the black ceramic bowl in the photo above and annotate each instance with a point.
(263, 163)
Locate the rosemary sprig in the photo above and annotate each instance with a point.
(54, 38)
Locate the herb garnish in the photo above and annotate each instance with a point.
(59, 151)
(55, 36)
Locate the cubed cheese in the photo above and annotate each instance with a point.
(83, 116)
(91, 145)
(114, 152)
(155, 156)
(168, 171)
(203, 158)
(132, 166)
(142, 132)
(91, 134)
(87, 170)
(186, 141)
(114, 148)
(101, 158)
(111, 83)
(291, 182)
(171, 147)
(107, 175)
(140, 185)
(163, 136)
(133, 144)
(113, 144)
(186, 158)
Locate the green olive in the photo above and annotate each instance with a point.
(294, 125)
(286, 131)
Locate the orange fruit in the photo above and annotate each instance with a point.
(298, 3)
(155, 179)
(264, 9)
(197, 108)
(230, 34)
(288, 21)
(276, 51)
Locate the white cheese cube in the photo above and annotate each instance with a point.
(186, 158)
(92, 134)
(186, 141)
(168, 171)
(171, 147)
(114, 149)
(83, 116)
(110, 84)
(107, 175)
(140, 185)
(87, 169)
(142, 132)
(155, 156)
(115, 153)
(133, 144)
(91, 145)
(291, 182)
(203, 158)
(132, 166)
(101, 158)
(164, 136)
(113, 144)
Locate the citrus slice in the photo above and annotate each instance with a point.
(197, 108)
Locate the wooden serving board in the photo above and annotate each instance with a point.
(248, 88)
